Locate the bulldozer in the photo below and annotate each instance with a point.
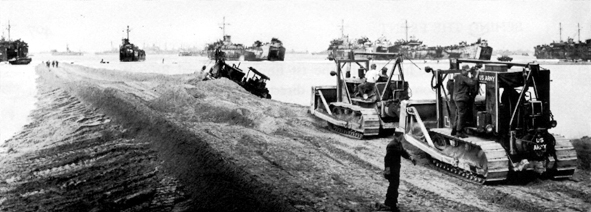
(508, 130)
(356, 108)
(252, 80)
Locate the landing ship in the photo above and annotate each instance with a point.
(129, 52)
(15, 52)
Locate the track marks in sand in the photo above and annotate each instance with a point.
(71, 158)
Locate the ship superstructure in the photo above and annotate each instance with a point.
(129, 52)
(565, 50)
(14, 51)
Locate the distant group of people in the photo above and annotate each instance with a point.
(54, 63)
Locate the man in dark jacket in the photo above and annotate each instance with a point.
(394, 151)
(461, 95)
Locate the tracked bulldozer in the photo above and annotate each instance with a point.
(508, 130)
(252, 80)
(356, 108)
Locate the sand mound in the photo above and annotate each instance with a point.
(203, 146)
(583, 147)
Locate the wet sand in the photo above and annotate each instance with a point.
(103, 140)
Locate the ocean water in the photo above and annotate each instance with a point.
(17, 98)
(291, 82)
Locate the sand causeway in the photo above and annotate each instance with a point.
(104, 140)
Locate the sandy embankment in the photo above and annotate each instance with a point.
(110, 140)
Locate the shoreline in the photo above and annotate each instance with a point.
(564, 63)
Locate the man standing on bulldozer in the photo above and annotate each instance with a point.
(394, 151)
(461, 96)
(365, 89)
(473, 92)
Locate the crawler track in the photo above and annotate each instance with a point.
(566, 159)
(345, 132)
(475, 157)
(359, 120)
(459, 172)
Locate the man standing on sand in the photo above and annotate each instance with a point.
(461, 96)
(394, 151)
(56, 63)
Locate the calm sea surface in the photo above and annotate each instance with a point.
(291, 82)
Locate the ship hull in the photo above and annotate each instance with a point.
(67, 54)
(346, 54)
(270, 53)
(188, 54)
(13, 50)
(273, 51)
(276, 54)
(229, 54)
(130, 53)
(473, 51)
(20, 61)
(568, 50)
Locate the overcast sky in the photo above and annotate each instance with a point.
(301, 24)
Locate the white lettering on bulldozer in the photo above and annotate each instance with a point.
(486, 78)
(540, 147)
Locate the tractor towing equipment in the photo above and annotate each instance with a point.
(356, 108)
(507, 130)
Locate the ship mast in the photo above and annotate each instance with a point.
(406, 27)
(128, 30)
(8, 28)
(579, 31)
(223, 27)
(560, 28)
(342, 28)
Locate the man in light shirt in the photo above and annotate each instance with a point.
(365, 89)
(372, 75)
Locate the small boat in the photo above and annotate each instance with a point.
(505, 58)
(20, 61)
